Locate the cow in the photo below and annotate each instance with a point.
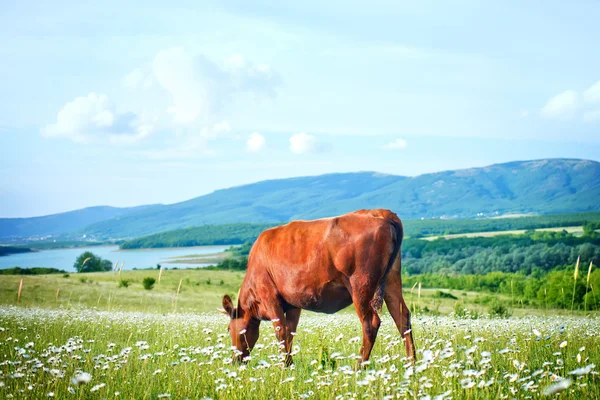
(322, 265)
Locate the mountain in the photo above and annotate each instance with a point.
(539, 186)
(63, 223)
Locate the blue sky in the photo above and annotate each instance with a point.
(112, 104)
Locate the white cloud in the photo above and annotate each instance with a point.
(592, 94)
(92, 118)
(524, 113)
(200, 89)
(570, 103)
(562, 106)
(186, 94)
(302, 143)
(255, 143)
(397, 144)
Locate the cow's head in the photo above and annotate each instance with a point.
(244, 329)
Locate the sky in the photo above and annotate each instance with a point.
(106, 103)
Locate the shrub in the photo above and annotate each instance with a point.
(148, 283)
(66, 275)
(444, 295)
(221, 282)
(123, 283)
(208, 281)
(82, 280)
(499, 310)
(461, 311)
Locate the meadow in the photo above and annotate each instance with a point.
(98, 340)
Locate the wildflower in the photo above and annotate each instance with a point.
(557, 387)
(158, 371)
(427, 356)
(83, 377)
(583, 371)
(563, 344)
(51, 394)
(467, 383)
(164, 395)
(97, 387)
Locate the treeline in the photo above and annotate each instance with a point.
(206, 235)
(63, 244)
(30, 271)
(8, 250)
(434, 227)
(553, 290)
(242, 233)
(531, 253)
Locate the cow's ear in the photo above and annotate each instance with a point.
(228, 305)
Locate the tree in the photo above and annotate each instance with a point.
(89, 262)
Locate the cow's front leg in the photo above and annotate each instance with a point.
(291, 323)
(277, 317)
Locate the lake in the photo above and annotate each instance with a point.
(147, 258)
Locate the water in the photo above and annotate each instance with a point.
(147, 258)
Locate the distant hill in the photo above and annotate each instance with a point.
(63, 223)
(539, 187)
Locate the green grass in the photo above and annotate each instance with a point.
(101, 290)
(143, 356)
(142, 344)
(201, 291)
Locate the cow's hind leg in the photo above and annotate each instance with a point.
(370, 325)
(399, 311)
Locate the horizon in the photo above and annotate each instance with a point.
(309, 176)
(102, 105)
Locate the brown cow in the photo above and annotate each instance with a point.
(324, 266)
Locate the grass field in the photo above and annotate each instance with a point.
(570, 229)
(200, 291)
(101, 341)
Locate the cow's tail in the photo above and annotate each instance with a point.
(397, 233)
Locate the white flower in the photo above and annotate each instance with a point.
(467, 383)
(583, 371)
(164, 395)
(557, 387)
(83, 377)
(563, 344)
(98, 387)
